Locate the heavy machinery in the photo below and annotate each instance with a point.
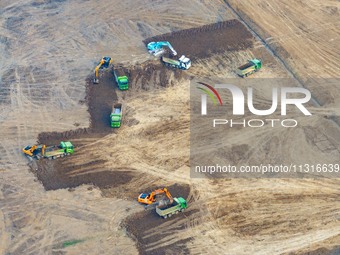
(183, 62)
(105, 62)
(178, 205)
(148, 199)
(116, 116)
(251, 67)
(32, 151)
(50, 152)
(121, 79)
(157, 48)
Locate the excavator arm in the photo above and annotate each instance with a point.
(32, 151)
(156, 48)
(104, 63)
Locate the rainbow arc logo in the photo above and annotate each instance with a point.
(211, 92)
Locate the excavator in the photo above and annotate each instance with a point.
(105, 62)
(33, 151)
(149, 199)
(156, 48)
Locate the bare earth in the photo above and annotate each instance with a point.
(49, 48)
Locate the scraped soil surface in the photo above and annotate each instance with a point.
(202, 42)
(79, 168)
(70, 171)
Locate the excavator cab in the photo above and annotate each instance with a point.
(104, 63)
(32, 151)
(149, 199)
(144, 198)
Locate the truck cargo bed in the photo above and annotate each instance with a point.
(245, 66)
(119, 71)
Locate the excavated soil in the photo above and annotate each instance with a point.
(140, 227)
(70, 172)
(205, 41)
(209, 39)
(84, 167)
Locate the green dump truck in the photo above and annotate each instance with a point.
(121, 79)
(52, 152)
(179, 205)
(116, 116)
(251, 67)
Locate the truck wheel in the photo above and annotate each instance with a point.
(176, 212)
(53, 157)
(165, 216)
(170, 215)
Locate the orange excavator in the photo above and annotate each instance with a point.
(149, 199)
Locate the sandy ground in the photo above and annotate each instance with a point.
(50, 48)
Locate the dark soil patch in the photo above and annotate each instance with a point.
(321, 251)
(202, 42)
(99, 98)
(56, 174)
(139, 224)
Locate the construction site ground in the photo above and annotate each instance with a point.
(86, 203)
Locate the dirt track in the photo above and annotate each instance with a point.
(50, 47)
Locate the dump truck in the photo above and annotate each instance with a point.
(179, 205)
(50, 152)
(183, 62)
(251, 67)
(121, 79)
(116, 116)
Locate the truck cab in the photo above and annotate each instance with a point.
(67, 147)
(123, 82)
(185, 62)
(120, 77)
(115, 121)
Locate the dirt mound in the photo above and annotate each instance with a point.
(143, 227)
(202, 42)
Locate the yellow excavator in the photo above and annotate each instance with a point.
(34, 150)
(149, 199)
(105, 62)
